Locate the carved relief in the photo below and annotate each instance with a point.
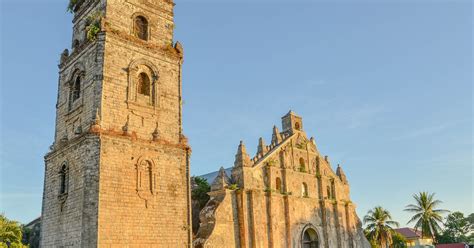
(146, 179)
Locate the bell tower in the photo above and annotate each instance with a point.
(117, 173)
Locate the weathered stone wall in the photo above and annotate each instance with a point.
(129, 214)
(86, 62)
(126, 56)
(128, 176)
(71, 219)
(152, 129)
(224, 231)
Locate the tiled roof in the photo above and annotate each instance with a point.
(409, 233)
(457, 245)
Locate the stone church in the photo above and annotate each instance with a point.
(287, 195)
(117, 173)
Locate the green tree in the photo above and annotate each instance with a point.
(426, 217)
(10, 233)
(470, 219)
(200, 188)
(456, 229)
(379, 229)
(398, 240)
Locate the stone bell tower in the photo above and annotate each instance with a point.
(117, 173)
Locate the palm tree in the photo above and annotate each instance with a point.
(426, 217)
(379, 226)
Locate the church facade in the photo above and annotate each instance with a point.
(287, 195)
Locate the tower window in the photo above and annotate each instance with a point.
(63, 179)
(333, 190)
(150, 177)
(329, 192)
(141, 27)
(143, 84)
(76, 89)
(278, 185)
(302, 165)
(304, 190)
(318, 168)
(297, 126)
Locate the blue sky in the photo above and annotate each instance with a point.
(385, 87)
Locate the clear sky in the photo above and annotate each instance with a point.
(385, 87)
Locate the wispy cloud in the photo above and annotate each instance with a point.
(362, 116)
(423, 131)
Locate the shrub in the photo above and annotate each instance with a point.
(93, 24)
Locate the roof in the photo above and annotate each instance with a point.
(456, 245)
(33, 222)
(409, 233)
(212, 175)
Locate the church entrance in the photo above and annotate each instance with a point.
(310, 239)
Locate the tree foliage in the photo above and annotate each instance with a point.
(93, 25)
(379, 229)
(200, 190)
(425, 215)
(457, 228)
(398, 240)
(74, 5)
(10, 233)
(31, 236)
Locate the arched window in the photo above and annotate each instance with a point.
(304, 190)
(76, 89)
(278, 185)
(63, 179)
(329, 192)
(151, 178)
(297, 126)
(146, 184)
(143, 84)
(318, 168)
(75, 45)
(333, 190)
(310, 239)
(302, 165)
(141, 27)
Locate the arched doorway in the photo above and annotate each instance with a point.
(310, 239)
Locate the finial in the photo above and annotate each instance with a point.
(340, 173)
(242, 158)
(276, 136)
(97, 117)
(64, 56)
(221, 181)
(262, 148)
(95, 126)
(125, 127)
(155, 133)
